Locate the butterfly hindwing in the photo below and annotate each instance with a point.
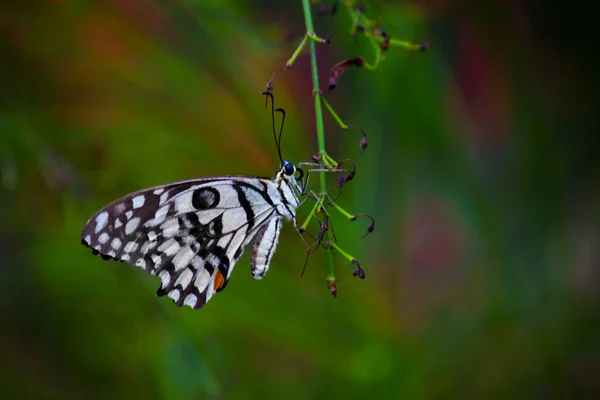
(189, 233)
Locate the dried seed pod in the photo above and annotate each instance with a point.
(340, 67)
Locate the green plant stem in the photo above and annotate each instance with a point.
(297, 52)
(318, 109)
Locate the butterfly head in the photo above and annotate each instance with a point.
(292, 174)
(289, 170)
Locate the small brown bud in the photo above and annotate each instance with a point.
(332, 284)
(384, 45)
(359, 273)
(424, 46)
(364, 143)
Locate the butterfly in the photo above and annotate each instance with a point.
(192, 233)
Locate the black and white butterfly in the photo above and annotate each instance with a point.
(192, 233)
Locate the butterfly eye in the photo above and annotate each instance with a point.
(288, 168)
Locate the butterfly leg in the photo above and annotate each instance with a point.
(328, 244)
(322, 200)
(332, 244)
(329, 166)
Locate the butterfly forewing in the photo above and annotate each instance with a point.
(192, 233)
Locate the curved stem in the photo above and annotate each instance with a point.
(318, 109)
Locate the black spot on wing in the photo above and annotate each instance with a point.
(216, 226)
(205, 198)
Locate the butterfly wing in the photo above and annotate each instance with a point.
(190, 234)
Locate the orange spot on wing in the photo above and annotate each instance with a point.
(218, 281)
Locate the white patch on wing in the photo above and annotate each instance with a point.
(165, 278)
(228, 197)
(205, 216)
(197, 262)
(184, 278)
(253, 196)
(210, 290)
(190, 300)
(236, 243)
(213, 260)
(111, 253)
(118, 223)
(183, 202)
(224, 242)
(128, 214)
(132, 225)
(202, 280)
(147, 246)
(130, 247)
(158, 191)
(116, 243)
(174, 294)
(140, 263)
(183, 258)
(88, 239)
(125, 257)
(103, 238)
(170, 227)
(159, 216)
(163, 197)
(169, 247)
(101, 221)
(138, 201)
(156, 259)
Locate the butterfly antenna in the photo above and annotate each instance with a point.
(277, 142)
(282, 111)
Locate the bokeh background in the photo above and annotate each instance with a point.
(481, 172)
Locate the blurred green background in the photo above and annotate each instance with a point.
(482, 275)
